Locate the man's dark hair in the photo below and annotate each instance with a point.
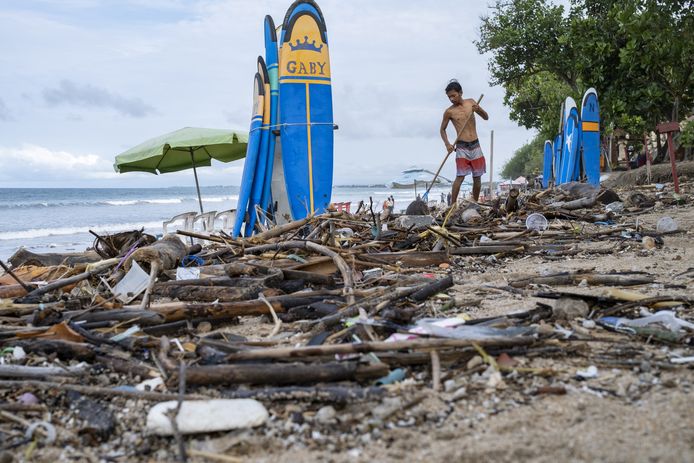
(454, 85)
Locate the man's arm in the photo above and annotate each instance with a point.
(478, 109)
(444, 135)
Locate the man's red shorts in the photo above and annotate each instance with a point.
(469, 159)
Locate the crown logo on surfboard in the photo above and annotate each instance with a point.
(305, 45)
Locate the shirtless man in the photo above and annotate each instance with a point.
(468, 153)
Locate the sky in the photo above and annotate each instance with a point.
(84, 80)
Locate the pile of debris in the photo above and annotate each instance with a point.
(343, 325)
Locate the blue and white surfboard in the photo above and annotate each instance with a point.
(557, 149)
(590, 141)
(254, 138)
(563, 174)
(271, 59)
(548, 164)
(258, 181)
(570, 149)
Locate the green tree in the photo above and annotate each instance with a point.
(526, 160)
(638, 54)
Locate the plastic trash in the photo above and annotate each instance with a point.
(395, 376)
(345, 233)
(666, 224)
(666, 318)
(456, 329)
(187, 273)
(132, 284)
(536, 222)
(49, 431)
(372, 273)
(615, 207)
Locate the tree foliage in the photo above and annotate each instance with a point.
(638, 54)
(526, 161)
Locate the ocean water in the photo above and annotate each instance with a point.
(59, 219)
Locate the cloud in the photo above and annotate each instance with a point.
(4, 112)
(73, 94)
(29, 162)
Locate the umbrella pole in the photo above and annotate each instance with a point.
(197, 184)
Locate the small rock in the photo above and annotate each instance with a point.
(204, 327)
(583, 283)
(588, 324)
(588, 373)
(326, 415)
(28, 399)
(459, 394)
(18, 353)
(566, 308)
(648, 242)
(449, 385)
(645, 366)
(473, 362)
(495, 381)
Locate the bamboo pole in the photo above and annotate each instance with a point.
(491, 168)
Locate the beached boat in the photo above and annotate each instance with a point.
(415, 176)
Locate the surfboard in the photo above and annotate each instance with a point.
(571, 145)
(548, 167)
(590, 141)
(558, 142)
(254, 136)
(258, 181)
(566, 163)
(271, 59)
(306, 115)
(557, 146)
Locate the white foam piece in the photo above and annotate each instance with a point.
(197, 416)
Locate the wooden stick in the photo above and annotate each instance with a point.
(340, 263)
(21, 371)
(367, 347)
(283, 373)
(177, 311)
(435, 370)
(591, 278)
(97, 390)
(15, 277)
(153, 272)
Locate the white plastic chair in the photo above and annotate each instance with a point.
(224, 220)
(187, 219)
(204, 222)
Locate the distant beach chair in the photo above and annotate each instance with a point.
(224, 220)
(186, 221)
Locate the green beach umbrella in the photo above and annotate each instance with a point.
(190, 147)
